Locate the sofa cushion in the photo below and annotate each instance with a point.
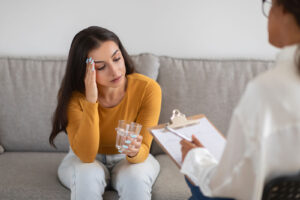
(210, 87)
(146, 64)
(33, 175)
(170, 183)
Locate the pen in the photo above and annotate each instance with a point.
(179, 134)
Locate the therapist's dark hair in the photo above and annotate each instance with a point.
(73, 80)
(293, 7)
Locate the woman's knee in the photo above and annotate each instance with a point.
(86, 173)
(88, 181)
(133, 186)
(135, 176)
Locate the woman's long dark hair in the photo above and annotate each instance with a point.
(83, 42)
(293, 7)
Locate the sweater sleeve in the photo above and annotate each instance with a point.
(148, 116)
(83, 128)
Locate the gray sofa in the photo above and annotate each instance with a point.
(28, 89)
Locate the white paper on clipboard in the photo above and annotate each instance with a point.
(205, 132)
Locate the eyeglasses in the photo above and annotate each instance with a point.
(266, 7)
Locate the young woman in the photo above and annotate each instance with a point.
(99, 89)
(264, 136)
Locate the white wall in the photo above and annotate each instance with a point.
(179, 28)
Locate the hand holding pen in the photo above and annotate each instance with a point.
(186, 146)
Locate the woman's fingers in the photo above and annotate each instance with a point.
(134, 146)
(89, 65)
(184, 149)
(183, 141)
(88, 70)
(136, 143)
(91, 90)
(196, 141)
(139, 139)
(186, 146)
(186, 143)
(93, 77)
(133, 150)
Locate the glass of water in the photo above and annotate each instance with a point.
(127, 132)
(122, 131)
(134, 130)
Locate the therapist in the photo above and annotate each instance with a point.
(264, 136)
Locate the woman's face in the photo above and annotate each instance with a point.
(109, 65)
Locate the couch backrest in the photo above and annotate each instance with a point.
(28, 90)
(29, 86)
(28, 98)
(210, 87)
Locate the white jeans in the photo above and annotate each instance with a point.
(87, 181)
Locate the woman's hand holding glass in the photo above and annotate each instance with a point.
(91, 90)
(134, 146)
(128, 140)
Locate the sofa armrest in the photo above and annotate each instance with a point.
(1, 149)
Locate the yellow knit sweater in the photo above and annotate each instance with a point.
(91, 128)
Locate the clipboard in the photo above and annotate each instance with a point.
(168, 135)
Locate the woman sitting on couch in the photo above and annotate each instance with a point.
(99, 89)
(264, 136)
